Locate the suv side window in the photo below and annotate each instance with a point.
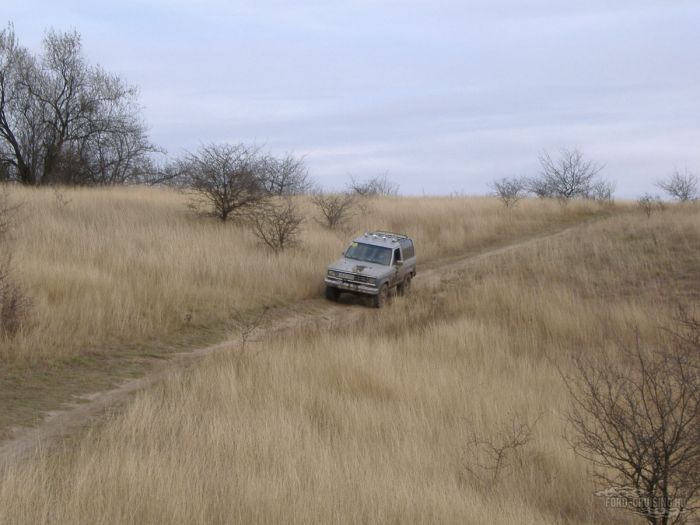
(397, 255)
(408, 250)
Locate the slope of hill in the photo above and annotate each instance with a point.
(121, 277)
(378, 417)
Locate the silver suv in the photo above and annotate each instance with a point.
(374, 264)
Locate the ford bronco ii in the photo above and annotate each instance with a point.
(374, 265)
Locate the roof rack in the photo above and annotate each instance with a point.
(385, 236)
(390, 234)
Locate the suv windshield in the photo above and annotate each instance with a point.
(369, 253)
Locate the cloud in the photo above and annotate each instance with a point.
(444, 95)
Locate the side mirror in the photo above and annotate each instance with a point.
(398, 263)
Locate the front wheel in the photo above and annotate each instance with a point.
(381, 298)
(332, 294)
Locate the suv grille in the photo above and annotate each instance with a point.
(355, 278)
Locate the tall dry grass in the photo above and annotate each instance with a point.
(121, 266)
(372, 422)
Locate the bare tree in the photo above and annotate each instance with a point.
(637, 419)
(63, 120)
(277, 224)
(509, 190)
(335, 208)
(379, 186)
(568, 176)
(649, 204)
(682, 186)
(286, 175)
(226, 179)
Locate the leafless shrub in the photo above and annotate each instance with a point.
(649, 204)
(682, 186)
(568, 176)
(509, 190)
(286, 175)
(379, 186)
(7, 214)
(489, 458)
(171, 173)
(335, 208)
(14, 304)
(602, 191)
(277, 224)
(62, 201)
(226, 179)
(539, 187)
(247, 326)
(637, 420)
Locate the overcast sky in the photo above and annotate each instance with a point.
(443, 96)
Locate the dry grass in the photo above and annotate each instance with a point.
(120, 266)
(371, 422)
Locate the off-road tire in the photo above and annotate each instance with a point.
(332, 294)
(405, 286)
(382, 297)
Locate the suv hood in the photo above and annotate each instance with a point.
(360, 267)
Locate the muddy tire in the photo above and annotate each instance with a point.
(332, 294)
(405, 286)
(382, 297)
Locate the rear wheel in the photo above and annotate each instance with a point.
(332, 294)
(381, 298)
(405, 286)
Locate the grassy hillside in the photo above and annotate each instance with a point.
(374, 421)
(112, 267)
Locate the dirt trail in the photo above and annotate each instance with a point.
(63, 422)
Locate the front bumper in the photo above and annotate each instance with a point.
(349, 286)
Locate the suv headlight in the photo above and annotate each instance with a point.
(332, 273)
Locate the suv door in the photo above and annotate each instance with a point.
(399, 270)
(409, 256)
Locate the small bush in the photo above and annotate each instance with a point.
(649, 204)
(489, 458)
(375, 187)
(277, 225)
(13, 302)
(335, 208)
(225, 179)
(14, 305)
(682, 186)
(602, 191)
(509, 191)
